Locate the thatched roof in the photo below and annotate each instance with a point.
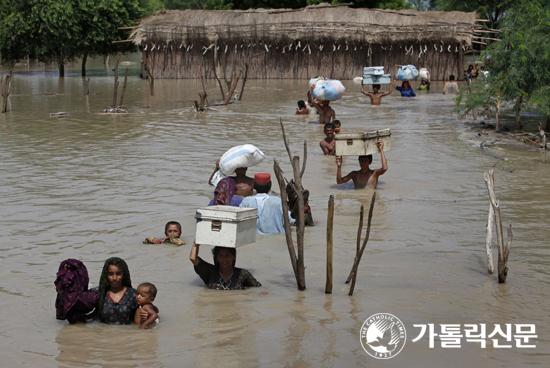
(318, 22)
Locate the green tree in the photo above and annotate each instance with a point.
(492, 10)
(520, 63)
(61, 30)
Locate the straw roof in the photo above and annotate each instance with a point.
(318, 22)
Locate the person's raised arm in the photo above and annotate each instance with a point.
(311, 99)
(214, 173)
(339, 178)
(194, 256)
(384, 168)
(363, 90)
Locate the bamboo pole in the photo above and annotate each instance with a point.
(330, 224)
(124, 87)
(489, 237)
(502, 253)
(360, 254)
(232, 88)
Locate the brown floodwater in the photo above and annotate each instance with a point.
(92, 186)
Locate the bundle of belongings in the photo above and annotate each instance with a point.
(327, 89)
(292, 197)
(74, 301)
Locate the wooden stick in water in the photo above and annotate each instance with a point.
(330, 223)
(232, 88)
(358, 257)
(116, 80)
(489, 238)
(244, 80)
(124, 87)
(359, 231)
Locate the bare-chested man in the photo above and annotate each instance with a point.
(327, 144)
(243, 183)
(375, 95)
(326, 113)
(364, 177)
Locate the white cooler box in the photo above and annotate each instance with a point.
(373, 70)
(225, 226)
(362, 144)
(377, 79)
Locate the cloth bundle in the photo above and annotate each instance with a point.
(246, 155)
(74, 300)
(327, 89)
(407, 73)
(424, 74)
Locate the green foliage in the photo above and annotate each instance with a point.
(62, 30)
(520, 63)
(492, 10)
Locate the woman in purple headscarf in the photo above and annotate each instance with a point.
(224, 194)
(74, 300)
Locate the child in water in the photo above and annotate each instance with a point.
(301, 109)
(337, 127)
(146, 295)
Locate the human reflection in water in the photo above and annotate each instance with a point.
(222, 275)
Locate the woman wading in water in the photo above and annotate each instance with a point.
(222, 275)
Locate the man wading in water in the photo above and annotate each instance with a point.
(326, 113)
(375, 95)
(327, 144)
(243, 183)
(364, 177)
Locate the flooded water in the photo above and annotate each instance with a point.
(92, 186)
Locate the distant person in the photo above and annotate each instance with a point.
(270, 208)
(375, 96)
(171, 229)
(476, 71)
(424, 85)
(365, 176)
(337, 127)
(310, 107)
(451, 87)
(405, 89)
(244, 184)
(146, 294)
(326, 113)
(467, 76)
(301, 109)
(327, 144)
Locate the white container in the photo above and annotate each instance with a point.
(377, 79)
(362, 144)
(373, 70)
(225, 226)
(423, 73)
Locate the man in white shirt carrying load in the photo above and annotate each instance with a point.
(270, 208)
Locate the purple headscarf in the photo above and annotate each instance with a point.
(74, 300)
(224, 192)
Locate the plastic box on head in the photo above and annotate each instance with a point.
(225, 226)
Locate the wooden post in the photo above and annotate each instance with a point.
(360, 254)
(502, 253)
(232, 89)
(204, 96)
(124, 87)
(87, 93)
(497, 127)
(359, 231)
(151, 79)
(330, 223)
(106, 61)
(489, 238)
(116, 80)
(518, 108)
(244, 80)
(6, 92)
(216, 74)
(542, 141)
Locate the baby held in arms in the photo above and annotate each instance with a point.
(146, 295)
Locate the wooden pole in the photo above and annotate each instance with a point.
(244, 80)
(542, 141)
(204, 95)
(497, 127)
(232, 88)
(285, 140)
(6, 93)
(502, 253)
(489, 238)
(305, 160)
(124, 87)
(116, 79)
(359, 231)
(88, 87)
(300, 225)
(330, 223)
(151, 79)
(358, 257)
(216, 75)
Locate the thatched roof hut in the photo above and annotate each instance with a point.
(334, 41)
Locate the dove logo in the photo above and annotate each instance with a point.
(383, 336)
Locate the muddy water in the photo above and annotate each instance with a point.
(93, 186)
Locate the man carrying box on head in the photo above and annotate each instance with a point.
(270, 208)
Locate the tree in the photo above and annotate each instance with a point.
(520, 63)
(61, 30)
(492, 10)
